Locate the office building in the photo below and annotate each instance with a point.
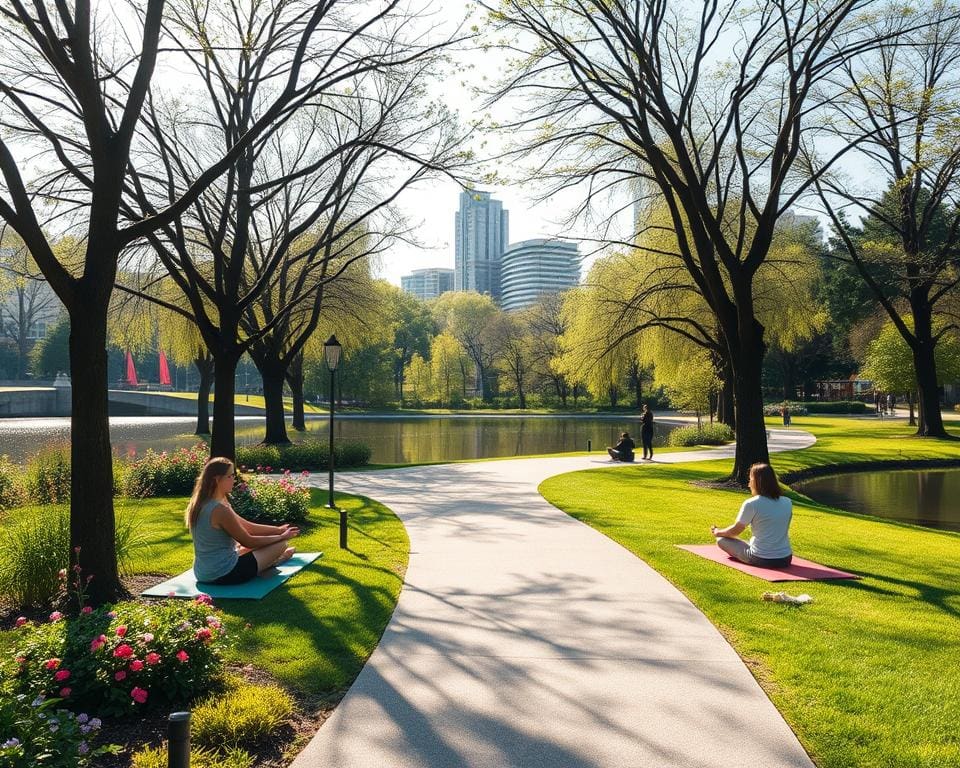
(532, 268)
(428, 283)
(481, 234)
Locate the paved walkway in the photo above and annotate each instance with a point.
(524, 638)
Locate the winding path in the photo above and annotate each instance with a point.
(525, 638)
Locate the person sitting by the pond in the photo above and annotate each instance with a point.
(226, 548)
(623, 450)
(646, 431)
(768, 513)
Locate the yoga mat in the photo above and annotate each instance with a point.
(799, 570)
(185, 585)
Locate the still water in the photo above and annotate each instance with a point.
(922, 497)
(398, 440)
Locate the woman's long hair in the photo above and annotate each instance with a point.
(763, 480)
(206, 484)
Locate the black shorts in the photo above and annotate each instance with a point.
(245, 569)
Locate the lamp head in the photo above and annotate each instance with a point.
(331, 352)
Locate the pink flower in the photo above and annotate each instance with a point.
(139, 695)
(21, 620)
(153, 658)
(21, 659)
(123, 651)
(269, 469)
(86, 609)
(61, 675)
(182, 656)
(136, 665)
(56, 616)
(112, 614)
(204, 634)
(147, 637)
(122, 631)
(171, 593)
(119, 675)
(204, 599)
(97, 643)
(51, 664)
(64, 692)
(213, 622)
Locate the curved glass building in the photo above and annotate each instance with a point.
(532, 268)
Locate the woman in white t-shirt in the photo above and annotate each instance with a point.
(768, 513)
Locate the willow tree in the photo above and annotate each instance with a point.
(703, 104)
(902, 109)
(74, 82)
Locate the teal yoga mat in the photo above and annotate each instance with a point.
(185, 585)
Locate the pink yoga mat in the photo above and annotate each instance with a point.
(799, 570)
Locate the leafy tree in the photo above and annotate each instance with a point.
(51, 355)
(901, 110)
(510, 336)
(889, 362)
(449, 369)
(417, 375)
(468, 317)
(547, 327)
(413, 327)
(674, 99)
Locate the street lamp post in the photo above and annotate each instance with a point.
(331, 353)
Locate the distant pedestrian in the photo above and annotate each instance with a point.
(646, 432)
(891, 401)
(785, 414)
(876, 400)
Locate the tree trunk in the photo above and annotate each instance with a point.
(295, 380)
(726, 412)
(745, 349)
(931, 422)
(638, 387)
(913, 418)
(204, 367)
(92, 524)
(276, 427)
(522, 396)
(223, 440)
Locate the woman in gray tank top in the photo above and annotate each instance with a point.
(227, 549)
(768, 513)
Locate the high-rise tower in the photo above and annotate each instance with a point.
(481, 237)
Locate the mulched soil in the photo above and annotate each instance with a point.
(132, 735)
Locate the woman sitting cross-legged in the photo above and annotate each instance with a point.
(768, 513)
(226, 548)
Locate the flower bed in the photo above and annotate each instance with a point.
(118, 661)
(166, 473)
(266, 500)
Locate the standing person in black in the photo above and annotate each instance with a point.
(646, 432)
(623, 451)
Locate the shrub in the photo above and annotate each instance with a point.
(166, 474)
(35, 547)
(706, 434)
(796, 409)
(48, 475)
(838, 406)
(310, 455)
(136, 656)
(244, 714)
(34, 732)
(13, 491)
(156, 757)
(265, 500)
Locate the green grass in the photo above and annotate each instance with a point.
(868, 674)
(255, 401)
(313, 633)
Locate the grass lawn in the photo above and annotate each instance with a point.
(867, 675)
(255, 401)
(315, 632)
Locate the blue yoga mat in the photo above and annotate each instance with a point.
(186, 585)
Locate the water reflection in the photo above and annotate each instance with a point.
(393, 440)
(923, 497)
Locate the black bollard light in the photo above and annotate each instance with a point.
(178, 740)
(589, 445)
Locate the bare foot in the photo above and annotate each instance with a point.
(287, 554)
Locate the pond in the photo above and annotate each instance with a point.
(393, 440)
(922, 497)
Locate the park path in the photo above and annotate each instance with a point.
(523, 637)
